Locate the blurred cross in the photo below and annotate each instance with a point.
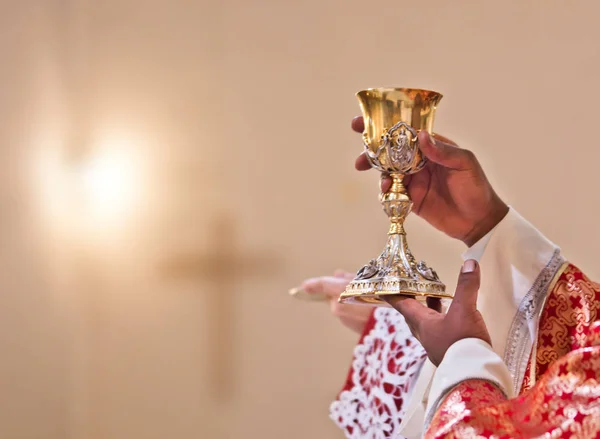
(221, 267)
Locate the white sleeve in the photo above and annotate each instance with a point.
(518, 264)
(470, 358)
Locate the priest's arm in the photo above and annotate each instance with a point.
(524, 273)
(471, 395)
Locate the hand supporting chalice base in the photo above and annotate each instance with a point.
(393, 117)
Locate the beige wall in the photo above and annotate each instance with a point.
(239, 107)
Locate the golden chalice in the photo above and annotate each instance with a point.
(393, 117)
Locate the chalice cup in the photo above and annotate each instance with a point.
(393, 117)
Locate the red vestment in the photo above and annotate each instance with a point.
(538, 309)
(560, 395)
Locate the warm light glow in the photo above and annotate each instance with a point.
(96, 195)
(109, 182)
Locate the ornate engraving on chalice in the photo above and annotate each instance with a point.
(393, 117)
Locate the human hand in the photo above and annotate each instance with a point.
(354, 317)
(451, 192)
(437, 331)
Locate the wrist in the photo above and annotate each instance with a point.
(498, 210)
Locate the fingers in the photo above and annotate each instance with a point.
(439, 149)
(385, 183)
(331, 286)
(362, 163)
(445, 152)
(444, 139)
(414, 312)
(468, 286)
(358, 124)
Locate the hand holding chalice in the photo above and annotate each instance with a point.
(393, 117)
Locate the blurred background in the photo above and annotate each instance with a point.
(171, 168)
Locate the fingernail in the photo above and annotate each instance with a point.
(469, 266)
(382, 180)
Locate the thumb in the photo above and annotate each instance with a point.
(468, 286)
(444, 152)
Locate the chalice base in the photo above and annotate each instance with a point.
(394, 273)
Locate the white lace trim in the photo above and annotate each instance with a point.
(385, 366)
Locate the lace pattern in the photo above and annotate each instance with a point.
(386, 363)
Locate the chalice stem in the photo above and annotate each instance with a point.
(392, 119)
(397, 205)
